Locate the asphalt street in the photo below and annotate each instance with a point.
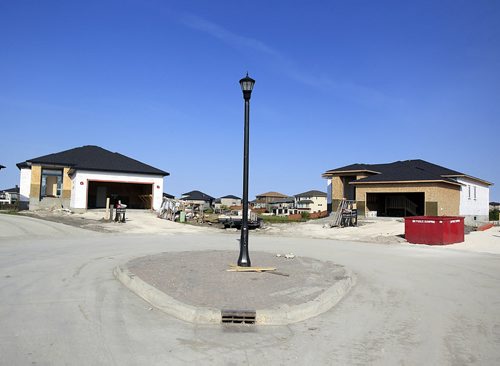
(411, 305)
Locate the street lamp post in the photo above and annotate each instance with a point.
(247, 84)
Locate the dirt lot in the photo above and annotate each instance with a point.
(374, 230)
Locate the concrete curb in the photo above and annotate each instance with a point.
(165, 303)
(292, 314)
(203, 315)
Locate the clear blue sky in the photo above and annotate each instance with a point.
(337, 82)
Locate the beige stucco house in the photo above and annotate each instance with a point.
(311, 201)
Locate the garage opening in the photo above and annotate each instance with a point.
(396, 204)
(134, 195)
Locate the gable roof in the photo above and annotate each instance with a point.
(272, 194)
(232, 197)
(313, 193)
(196, 196)
(94, 158)
(402, 171)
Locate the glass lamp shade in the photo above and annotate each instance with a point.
(247, 84)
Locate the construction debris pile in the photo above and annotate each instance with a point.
(182, 211)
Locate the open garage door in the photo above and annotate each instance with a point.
(396, 204)
(134, 195)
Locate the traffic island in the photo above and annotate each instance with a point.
(199, 286)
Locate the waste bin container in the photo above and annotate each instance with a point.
(434, 230)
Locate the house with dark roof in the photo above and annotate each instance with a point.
(409, 188)
(198, 197)
(85, 177)
(227, 201)
(311, 201)
(263, 200)
(282, 206)
(9, 195)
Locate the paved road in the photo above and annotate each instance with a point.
(412, 305)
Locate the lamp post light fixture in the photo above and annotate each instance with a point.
(247, 84)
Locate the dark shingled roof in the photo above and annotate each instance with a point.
(12, 190)
(95, 158)
(232, 197)
(313, 193)
(196, 196)
(410, 170)
(2, 167)
(400, 171)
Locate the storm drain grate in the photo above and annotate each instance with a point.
(238, 316)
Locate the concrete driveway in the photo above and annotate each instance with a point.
(412, 305)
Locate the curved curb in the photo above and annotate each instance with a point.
(285, 314)
(292, 314)
(167, 304)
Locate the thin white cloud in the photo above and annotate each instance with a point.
(287, 66)
(226, 36)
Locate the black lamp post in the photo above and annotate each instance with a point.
(247, 84)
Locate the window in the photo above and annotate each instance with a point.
(469, 191)
(51, 183)
(475, 193)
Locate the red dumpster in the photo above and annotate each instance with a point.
(434, 230)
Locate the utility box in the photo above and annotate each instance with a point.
(434, 230)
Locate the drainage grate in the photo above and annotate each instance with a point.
(238, 316)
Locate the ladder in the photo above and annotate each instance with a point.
(346, 214)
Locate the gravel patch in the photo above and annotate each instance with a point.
(200, 279)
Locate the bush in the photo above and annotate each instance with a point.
(494, 215)
(305, 215)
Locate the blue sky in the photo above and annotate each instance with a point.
(337, 82)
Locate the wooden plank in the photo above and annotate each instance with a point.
(235, 268)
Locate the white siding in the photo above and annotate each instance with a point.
(79, 190)
(25, 185)
(477, 204)
(230, 202)
(329, 192)
(319, 203)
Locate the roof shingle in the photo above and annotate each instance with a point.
(95, 158)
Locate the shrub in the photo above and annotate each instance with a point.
(494, 215)
(305, 215)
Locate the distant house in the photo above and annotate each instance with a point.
(410, 188)
(270, 196)
(2, 167)
(10, 195)
(282, 206)
(84, 177)
(258, 204)
(494, 205)
(311, 201)
(166, 195)
(197, 197)
(264, 199)
(227, 201)
(230, 200)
